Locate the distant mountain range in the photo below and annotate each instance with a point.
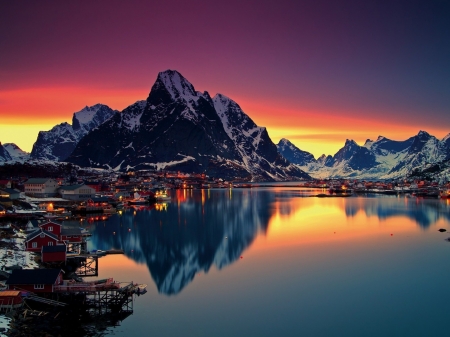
(179, 128)
(380, 159)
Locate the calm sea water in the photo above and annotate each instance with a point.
(275, 262)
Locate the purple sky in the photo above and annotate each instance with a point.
(310, 71)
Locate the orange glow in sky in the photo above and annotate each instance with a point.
(25, 112)
(316, 75)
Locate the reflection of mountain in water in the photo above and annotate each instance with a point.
(424, 211)
(190, 236)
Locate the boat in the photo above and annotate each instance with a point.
(161, 195)
(445, 194)
(138, 200)
(98, 252)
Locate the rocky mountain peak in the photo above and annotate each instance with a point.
(176, 85)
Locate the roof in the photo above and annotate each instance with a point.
(100, 199)
(10, 293)
(34, 276)
(70, 231)
(37, 180)
(49, 222)
(10, 190)
(38, 232)
(72, 187)
(54, 249)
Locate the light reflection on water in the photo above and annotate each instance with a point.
(273, 261)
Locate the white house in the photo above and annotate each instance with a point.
(77, 192)
(41, 187)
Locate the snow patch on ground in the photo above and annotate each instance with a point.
(4, 325)
(12, 253)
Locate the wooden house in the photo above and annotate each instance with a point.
(10, 300)
(52, 227)
(56, 253)
(5, 183)
(39, 238)
(71, 235)
(11, 193)
(77, 192)
(35, 280)
(41, 187)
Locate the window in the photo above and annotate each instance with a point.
(50, 228)
(34, 245)
(38, 286)
(50, 243)
(42, 235)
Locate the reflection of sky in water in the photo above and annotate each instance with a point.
(267, 262)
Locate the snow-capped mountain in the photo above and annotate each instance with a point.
(16, 152)
(4, 154)
(58, 143)
(294, 154)
(180, 128)
(381, 159)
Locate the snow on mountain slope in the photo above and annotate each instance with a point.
(58, 143)
(89, 118)
(189, 130)
(381, 159)
(4, 154)
(294, 154)
(15, 152)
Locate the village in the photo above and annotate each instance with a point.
(44, 264)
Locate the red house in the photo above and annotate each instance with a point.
(52, 227)
(10, 299)
(35, 280)
(71, 235)
(39, 238)
(67, 235)
(56, 253)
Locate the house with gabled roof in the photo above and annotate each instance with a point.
(65, 234)
(5, 183)
(10, 299)
(41, 187)
(11, 193)
(52, 227)
(71, 235)
(35, 240)
(77, 192)
(35, 280)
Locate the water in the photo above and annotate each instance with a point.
(273, 261)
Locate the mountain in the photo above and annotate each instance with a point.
(382, 159)
(179, 128)
(58, 143)
(16, 152)
(294, 154)
(4, 154)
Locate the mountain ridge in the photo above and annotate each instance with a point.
(180, 128)
(380, 159)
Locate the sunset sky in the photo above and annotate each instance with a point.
(314, 72)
